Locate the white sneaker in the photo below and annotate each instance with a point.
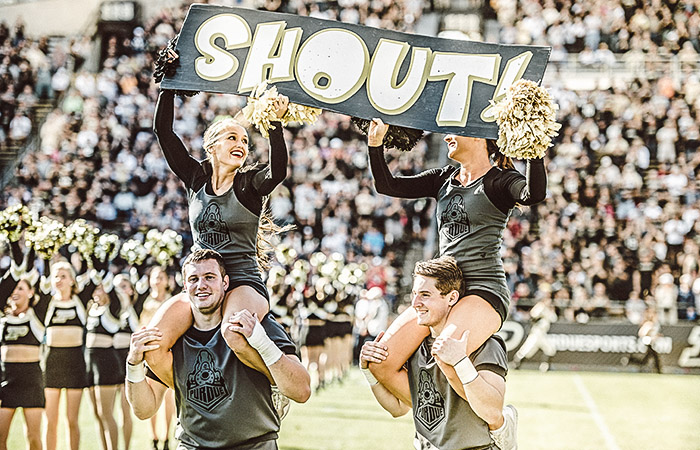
(506, 437)
(280, 402)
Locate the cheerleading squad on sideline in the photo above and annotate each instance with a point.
(68, 317)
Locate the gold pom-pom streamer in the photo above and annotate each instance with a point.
(163, 247)
(84, 237)
(526, 120)
(14, 220)
(47, 237)
(260, 110)
(133, 252)
(107, 247)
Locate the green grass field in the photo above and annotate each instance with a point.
(557, 410)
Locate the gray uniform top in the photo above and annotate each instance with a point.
(222, 223)
(444, 420)
(227, 223)
(471, 218)
(221, 402)
(471, 227)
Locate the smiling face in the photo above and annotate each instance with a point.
(459, 147)
(19, 300)
(430, 305)
(205, 285)
(226, 142)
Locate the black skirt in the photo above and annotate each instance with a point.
(22, 386)
(65, 368)
(103, 366)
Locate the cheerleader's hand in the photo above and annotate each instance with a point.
(449, 349)
(376, 132)
(281, 105)
(142, 341)
(373, 352)
(167, 63)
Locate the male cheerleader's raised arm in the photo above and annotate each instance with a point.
(179, 159)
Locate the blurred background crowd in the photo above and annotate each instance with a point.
(618, 233)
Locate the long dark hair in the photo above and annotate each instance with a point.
(502, 161)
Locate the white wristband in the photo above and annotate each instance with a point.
(466, 371)
(259, 340)
(135, 373)
(369, 377)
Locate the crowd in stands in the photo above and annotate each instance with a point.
(624, 174)
(594, 32)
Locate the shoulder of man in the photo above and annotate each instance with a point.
(492, 355)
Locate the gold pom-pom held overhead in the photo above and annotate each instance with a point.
(14, 220)
(526, 120)
(260, 110)
(47, 237)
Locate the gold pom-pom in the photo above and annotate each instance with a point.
(260, 110)
(107, 247)
(526, 120)
(14, 220)
(84, 237)
(163, 247)
(47, 237)
(133, 252)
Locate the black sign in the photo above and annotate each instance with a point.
(608, 344)
(422, 82)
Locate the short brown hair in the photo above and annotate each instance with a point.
(204, 255)
(448, 276)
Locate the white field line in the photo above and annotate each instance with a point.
(597, 417)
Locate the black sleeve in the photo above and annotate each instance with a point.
(181, 163)
(115, 305)
(86, 294)
(491, 356)
(424, 184)
(7, 285)
(16, 252)
(275, 331)
(265, 181)
(507, 188)
(42, 305)
(138, 304)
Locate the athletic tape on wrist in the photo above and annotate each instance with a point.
(259, 340)
(466, 371)
(135, 373)
(369, 377)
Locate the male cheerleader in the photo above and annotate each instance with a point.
(222, 402)
(444, 420)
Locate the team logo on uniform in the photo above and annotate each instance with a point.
(13, 333)
(431, 406)
(212, 229)
(63, 316)
(205, 384)
(455, 221)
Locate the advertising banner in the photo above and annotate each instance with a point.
(608, 344)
